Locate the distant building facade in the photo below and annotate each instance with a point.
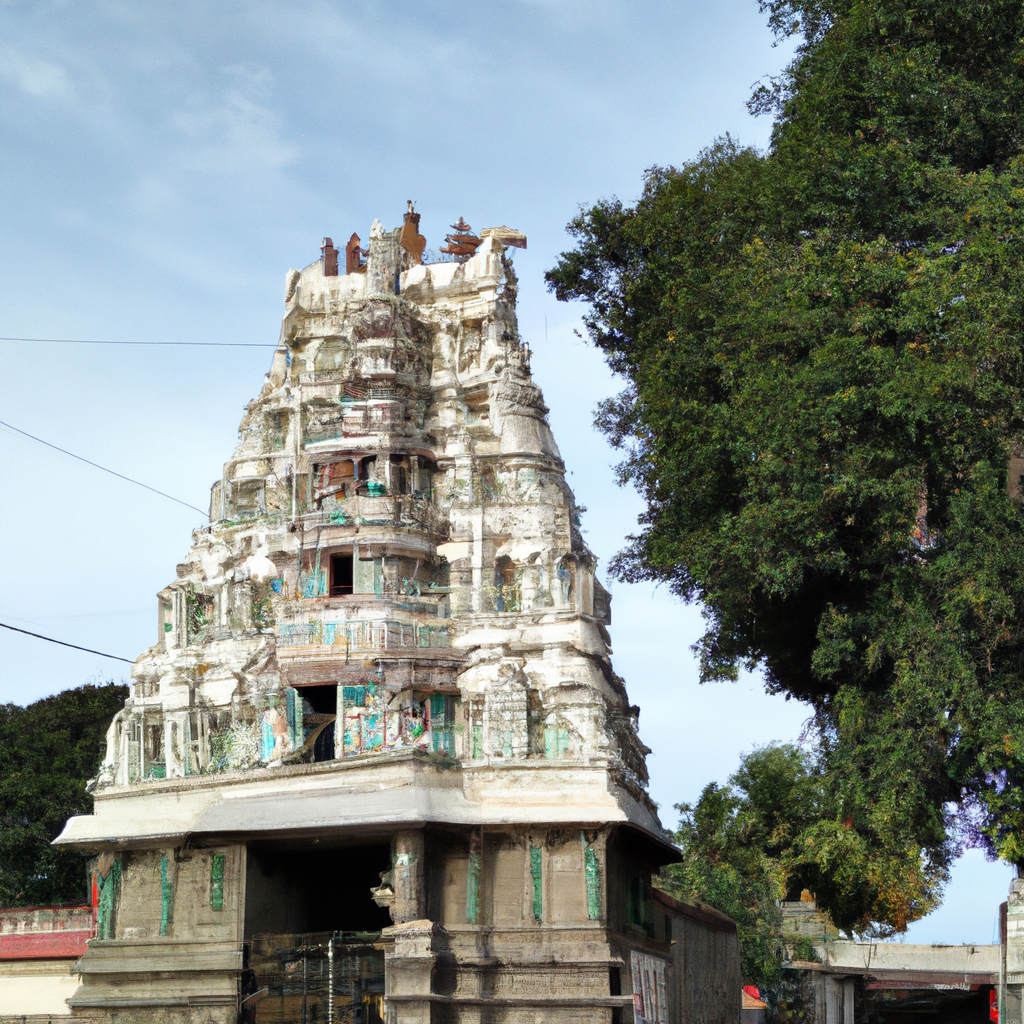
(834, 980)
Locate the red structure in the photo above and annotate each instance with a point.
(45, 933)
(330, 258)
(463, 243)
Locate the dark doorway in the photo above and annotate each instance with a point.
(292, 978)
(926, 1005)
(320, 703)
(293, 889)
(341, 575)
(399, 474)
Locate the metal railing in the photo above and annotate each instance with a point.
(405, 510)
(363, 634)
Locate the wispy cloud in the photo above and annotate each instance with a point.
(34, 77)
(233, 132)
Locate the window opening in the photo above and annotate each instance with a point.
(442, 723)
(614, 981)
(334, 479)
(426, 468)
(507, 585)
(635, 900)
(369, 481)
(320, 704)
(399, 474)
(341, 575)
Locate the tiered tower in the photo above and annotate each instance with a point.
(380, 720)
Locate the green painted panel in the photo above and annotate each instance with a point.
(354, 696)
(538, 883)
(110, 890)
(556, 743)
(167, 894)
(217, 881)
(590, 869)
(442, 719)
(473, 888)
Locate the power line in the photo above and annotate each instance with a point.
(88, 650)
(96, 465)
(171, 344)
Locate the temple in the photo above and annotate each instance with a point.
(377, 765)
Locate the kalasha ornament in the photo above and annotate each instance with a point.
(462, 244)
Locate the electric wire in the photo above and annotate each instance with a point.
(171, 344)
(64, 643)
(96, 465)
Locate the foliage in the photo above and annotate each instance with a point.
(737, 844)
(48, 750)
(803, 948)
(261, 608)
(823, 365)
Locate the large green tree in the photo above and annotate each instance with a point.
(739, 853)
(822, 350)
(48, 751)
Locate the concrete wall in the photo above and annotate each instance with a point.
(911, 958)
(36, 987)
(170, 893)
(705, 959)
(39, 947)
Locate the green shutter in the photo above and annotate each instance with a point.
(110, 890)
(166, 894)
(473, 880)
(538, 883)
(217, 881)
(590, 870)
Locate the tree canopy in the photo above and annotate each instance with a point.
(48, 751)
(739, 854)
(822, 351)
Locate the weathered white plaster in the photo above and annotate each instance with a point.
(405, 433)
(36, 987)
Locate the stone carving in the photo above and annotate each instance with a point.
(390, 625)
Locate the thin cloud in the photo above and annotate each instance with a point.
(41, 79)
(234, 133)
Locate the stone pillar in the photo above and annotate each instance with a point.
(1014, 954)
(279, 367)
(407, 972)
(833, 1000)
(385, 262)
(477, 522)
(848, 1001)
(410, 890)
(329, 258)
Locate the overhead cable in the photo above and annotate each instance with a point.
(88, 650)
(171, 344)
(96, 465)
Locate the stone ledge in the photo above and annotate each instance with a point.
(142, 956)
(571, 1002)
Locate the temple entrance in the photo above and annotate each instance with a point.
(312, 979)
(310, 928)
(299, 887)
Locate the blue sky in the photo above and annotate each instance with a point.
(164, 164)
